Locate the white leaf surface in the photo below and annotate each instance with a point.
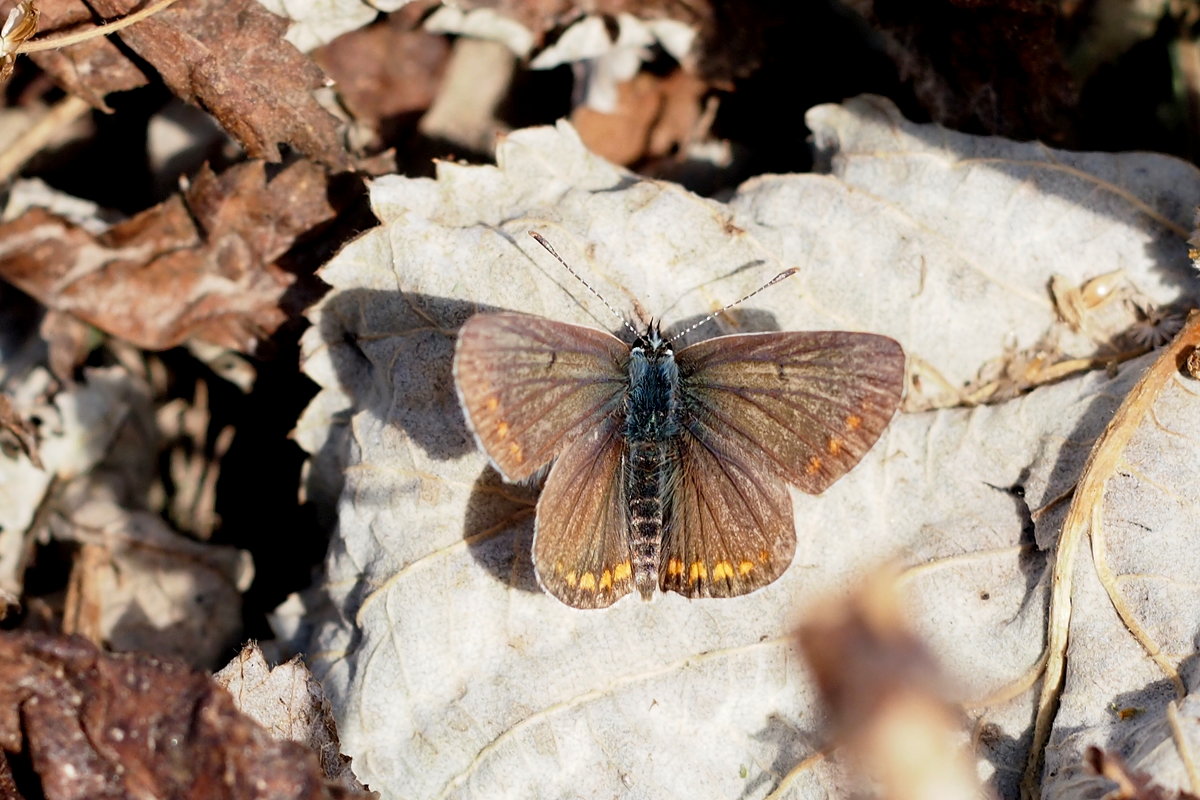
(455, 677)
(318, 22)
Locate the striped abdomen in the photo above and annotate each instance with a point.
(643, 491)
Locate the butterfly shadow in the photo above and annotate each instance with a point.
(392, 354)
(498, 528)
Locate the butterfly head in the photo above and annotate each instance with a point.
(652, 345)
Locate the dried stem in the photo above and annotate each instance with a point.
(56, 42)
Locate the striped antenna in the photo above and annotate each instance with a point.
(787, 273)
(538, 238)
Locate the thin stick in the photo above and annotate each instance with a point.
(538, 238)
(35, 137)
(91, 33)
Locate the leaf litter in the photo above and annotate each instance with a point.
(1051, 365)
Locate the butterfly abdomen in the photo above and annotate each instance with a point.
(645, 513)
(651, 422)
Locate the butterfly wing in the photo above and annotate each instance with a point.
(760, 409)
(730, 528)
(530, 385)
(581, 540)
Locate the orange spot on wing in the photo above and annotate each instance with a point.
(587, 581)
(697, 571)
(492, 403)
(571, 578)
(835, 446)
(853, 422)
(515, 451)
(744, 567)
(622, 571)
(502, 429)
(722, 570)
(674, 567)
(814, 465)
(606, 579)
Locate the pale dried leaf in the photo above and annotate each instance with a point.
(289, 702)
(1120, 626)
(456, 676)
(319, 22)
(138, 585)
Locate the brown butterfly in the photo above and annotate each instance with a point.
(670, 469)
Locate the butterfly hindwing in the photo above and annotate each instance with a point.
(730, 527)
(581, 542)
(810, 405)
(530, 385)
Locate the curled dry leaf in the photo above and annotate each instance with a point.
(389, 73)
(198, 265)
(115, 726)
(652, 117)
(138, 585)
(17, 430)
(76, 430)
(22, 23)
(228, 57)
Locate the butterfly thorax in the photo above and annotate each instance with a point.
(653, 399)
(651, 423)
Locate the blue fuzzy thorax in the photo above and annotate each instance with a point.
(653, 400)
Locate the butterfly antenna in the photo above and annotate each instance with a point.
(538, 238)
(787, 273)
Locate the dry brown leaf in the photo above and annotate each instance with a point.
(198, 265)
(116, 726)
(16, 430)
(389, 73)
(69, 340)
(885, 695)
(1131, 784)
(90, 69)
(655, 116)
(228, 58)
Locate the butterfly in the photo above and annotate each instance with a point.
(670, 469)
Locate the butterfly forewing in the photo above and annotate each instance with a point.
(530, 385)
(731, 528)
(807, 405)
(581, 540)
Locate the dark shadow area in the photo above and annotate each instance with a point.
(498, 529)
(792, 746)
